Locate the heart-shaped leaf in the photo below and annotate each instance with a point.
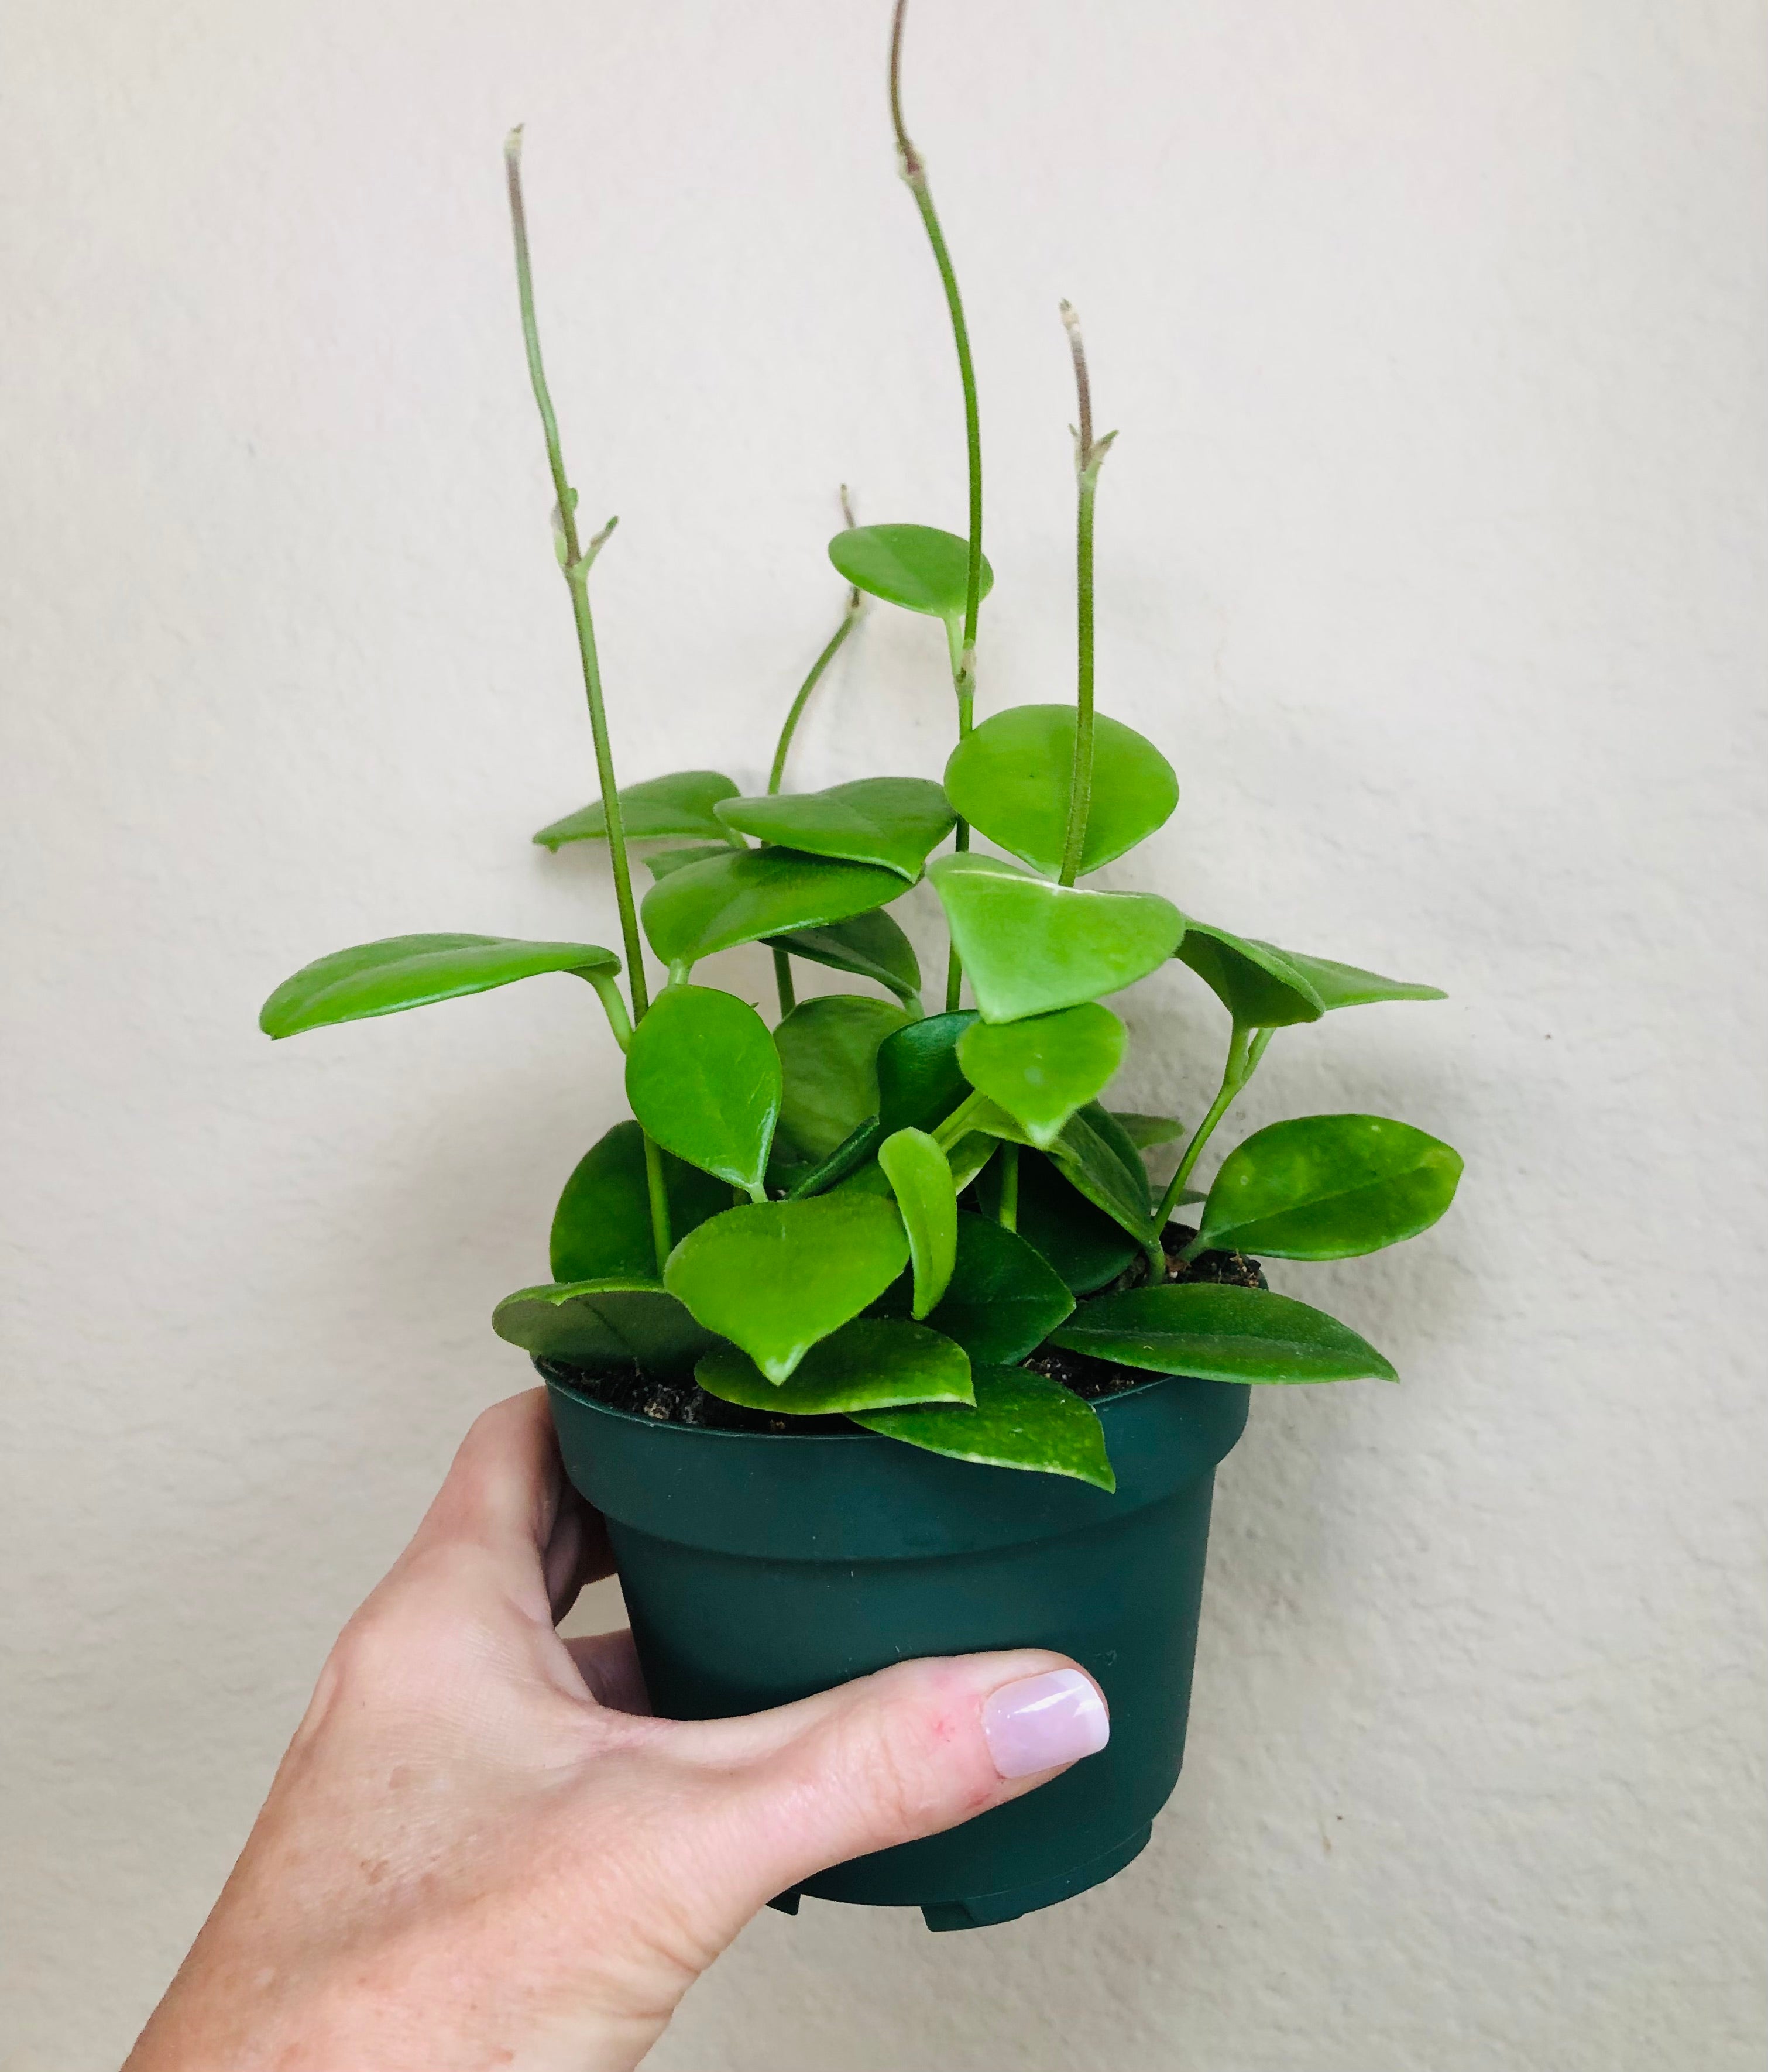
(1019, 1420)
(921, 1180)
(890, 822)
(776, 1277)
(1028, 948)
(1328, 1186)
(679, 804)
(665, 862)
(870, 946)
(1043, 1069)
(601, 1325)
(602, 1226)
(1145, 1132)
(411, 970)
(1083, 1246)
(1011, 778)
(1004, 1300)
(870, 1364)
(703, 1079)
(1220, 1333)
(919, 1078)
(750, 893)
(916, 566)
(1263, 987)
(828, 1049)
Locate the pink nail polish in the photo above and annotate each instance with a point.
(1041, 1722)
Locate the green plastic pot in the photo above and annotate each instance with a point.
(758, 1568)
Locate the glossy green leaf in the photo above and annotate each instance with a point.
(665, 862)
(872, 1363)
(870, 946)
(828, 1049)
(1328, 1186)
(750, 893)
(916, 566)
(1145, 1132)
(602, 1226)
(1218, 1333)
(1043, 1069)
(1010, 779)
(611, 1323)
(1347, 985)
(925, 1198)
(1263, 987)
(919, 1078)
(412, 970)
(1019, 1420)
(890, 822)
(775, 1277)
(1084, 1246)
(1098, 1160)
(704, 1079)
(1004, 1300)
(1029, 948)
(969, 1156)
(679, 804)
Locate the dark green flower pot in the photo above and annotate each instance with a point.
(759, 1568)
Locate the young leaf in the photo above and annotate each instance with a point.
(921, 1180)
(747, 894)
(918, 1079)
(1220, 1333)
(776, 1277)
(1263, 987)
(704, 1079)
(1028, 948)
(828, 1049)
(1004, 1300)
(872, 1363)
(1010, 779)
(666, 861)
(598, 1325)
(1328, 1186)
(890, 822)
(1083, 1246)
(916, 566)
(1145, 1132)
(678, 805)
(870, 946)
(1020, 1421)
(411, 970)
(1043, 1069)
(602, 1226)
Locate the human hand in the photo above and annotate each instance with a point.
(479, 1851)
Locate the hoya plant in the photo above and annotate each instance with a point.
(938, 1226)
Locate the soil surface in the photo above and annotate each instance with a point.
(684, 1402)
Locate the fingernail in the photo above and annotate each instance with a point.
(1043, 1721)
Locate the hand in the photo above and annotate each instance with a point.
(479, 1851)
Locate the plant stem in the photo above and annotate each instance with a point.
(1245, 1047)
(1008, 1216)
(783, 983)
(957, 1124)
(662, 1239)
(855, 602)
(1087, 457)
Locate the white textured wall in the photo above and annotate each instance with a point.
(1432, 552)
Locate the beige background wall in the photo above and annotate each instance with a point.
(1432, 551)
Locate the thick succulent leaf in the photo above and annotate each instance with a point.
(916, 566)
(928, 1201)
(1011, 777)
(1146, 1132)
(1328, 1186)
(828, 1050)
(1346, 985)
(679, 804)
(412, 970)
(1263, 987)
(704, 1079)
(1043, 1069)
(606, 1324)
(602, 1226)
(1005, 1300)
(890, 822)
(775, 1277)
(1218, 1333)
(918, 1077)
(1019, 1420)
(665, 862)
(1029, 948)
(869, 945)
(750, 893)
(872, 1363)
(1096, 1158)
(1084, 1246)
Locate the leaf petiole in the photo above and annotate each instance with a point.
(1245, 1047)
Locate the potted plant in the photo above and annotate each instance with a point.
(869, 1333)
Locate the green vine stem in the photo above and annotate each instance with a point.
(1008, 1216)
(1245, 1047)
(1088, 455)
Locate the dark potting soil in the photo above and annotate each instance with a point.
(684, 1402)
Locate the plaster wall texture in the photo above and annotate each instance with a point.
(1432, 551)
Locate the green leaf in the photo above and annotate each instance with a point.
(679, 804)
(1004, 1300)
(1041, 1070)
(870, 1364)
(918, 1077)
(776, 1277)
(828, 1049)
(613, 1322)
(890, 822)
(1020, 1421)
(1095, 1157)
(1346, 985)
(602, 1226)
(750, 893)
(1010, 779)
(704, 1079)
(1029, 948)
(1328, 1186)
(1145, 1132)
(411, 970)
(1083, 1246)
(916, 566)
(1218, 1333)
(1263, 987)
(921, 1180)
(666, 861)
(870, 946)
